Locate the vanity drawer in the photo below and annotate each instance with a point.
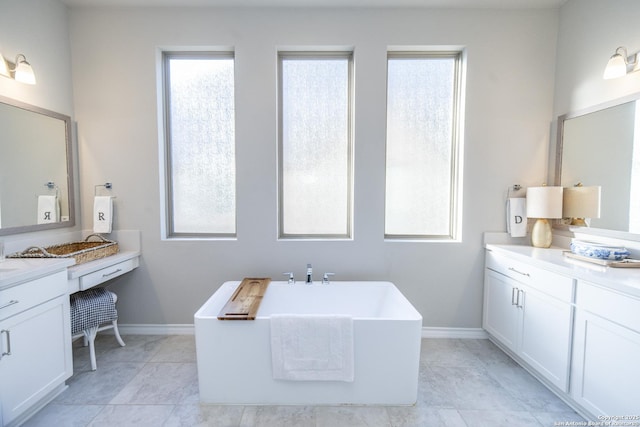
(100, 276)
(622, 309)
(22, 297)
(552, 284)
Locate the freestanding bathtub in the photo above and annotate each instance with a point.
(234, 356)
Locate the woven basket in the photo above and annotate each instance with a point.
(82, 252)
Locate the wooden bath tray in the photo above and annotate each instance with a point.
(245, 301)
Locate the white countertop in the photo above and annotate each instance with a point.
(14, 271)
(626, 280)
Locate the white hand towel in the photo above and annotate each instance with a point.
(102, 214)
(48, 209)
(312, 348)
(517, 216)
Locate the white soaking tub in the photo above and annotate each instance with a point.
(234, 356)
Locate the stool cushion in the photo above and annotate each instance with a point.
(91, 308)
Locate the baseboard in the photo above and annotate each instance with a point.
(187, 329)
(155, 329)
(458, 333)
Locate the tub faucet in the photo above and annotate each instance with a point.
(291, 280)
(325, 278)
(309, 274)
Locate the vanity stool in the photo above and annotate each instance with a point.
(89, 310)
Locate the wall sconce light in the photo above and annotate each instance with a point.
(579, 203)
(20, 70)
(619, 63)
(543, 203)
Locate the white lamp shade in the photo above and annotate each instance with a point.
(581, 202)
(24, 73)
(616, 67)
(544, 202)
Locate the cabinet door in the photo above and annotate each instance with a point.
(605, 373)
(40, 360)
(545, 340)
(500, 314)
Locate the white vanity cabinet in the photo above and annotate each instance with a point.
(35, 342)
(528, 311)
(606, 354)
(575, 325)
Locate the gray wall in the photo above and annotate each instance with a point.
(511, 62)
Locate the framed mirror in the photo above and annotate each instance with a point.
(601, 146)
(36, 172)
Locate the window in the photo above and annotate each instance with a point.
(315, 162)
(200, 144)
(423, 104)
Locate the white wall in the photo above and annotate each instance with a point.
(589, 33)
(509, 107)
(508, 111)
(39, 29)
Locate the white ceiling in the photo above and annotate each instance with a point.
(483, 4)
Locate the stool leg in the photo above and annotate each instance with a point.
(117, 333)
(115, 322)
(90, 336)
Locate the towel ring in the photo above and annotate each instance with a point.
(52, 186)
(516, 187)
(106, 185)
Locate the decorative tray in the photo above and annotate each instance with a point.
(82, 252)
(624, 263)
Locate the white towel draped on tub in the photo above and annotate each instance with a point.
(48, 209)
(312, 347)
(102, 214)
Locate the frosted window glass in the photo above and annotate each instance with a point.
(202, 145)
(315, 146)
(420, 113)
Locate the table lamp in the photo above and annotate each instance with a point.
(579, 203)
(543, 203)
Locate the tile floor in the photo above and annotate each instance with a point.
(153, 382)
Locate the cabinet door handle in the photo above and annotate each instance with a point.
(112, 273)
(519, 272)
(520, 301)
(10, 303)
(8, 352)
(514, 296)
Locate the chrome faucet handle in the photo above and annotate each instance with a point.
(291, 280)
(325, 278)
(309, 274)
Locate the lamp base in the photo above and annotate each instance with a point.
(579, 222)
(541, 236)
